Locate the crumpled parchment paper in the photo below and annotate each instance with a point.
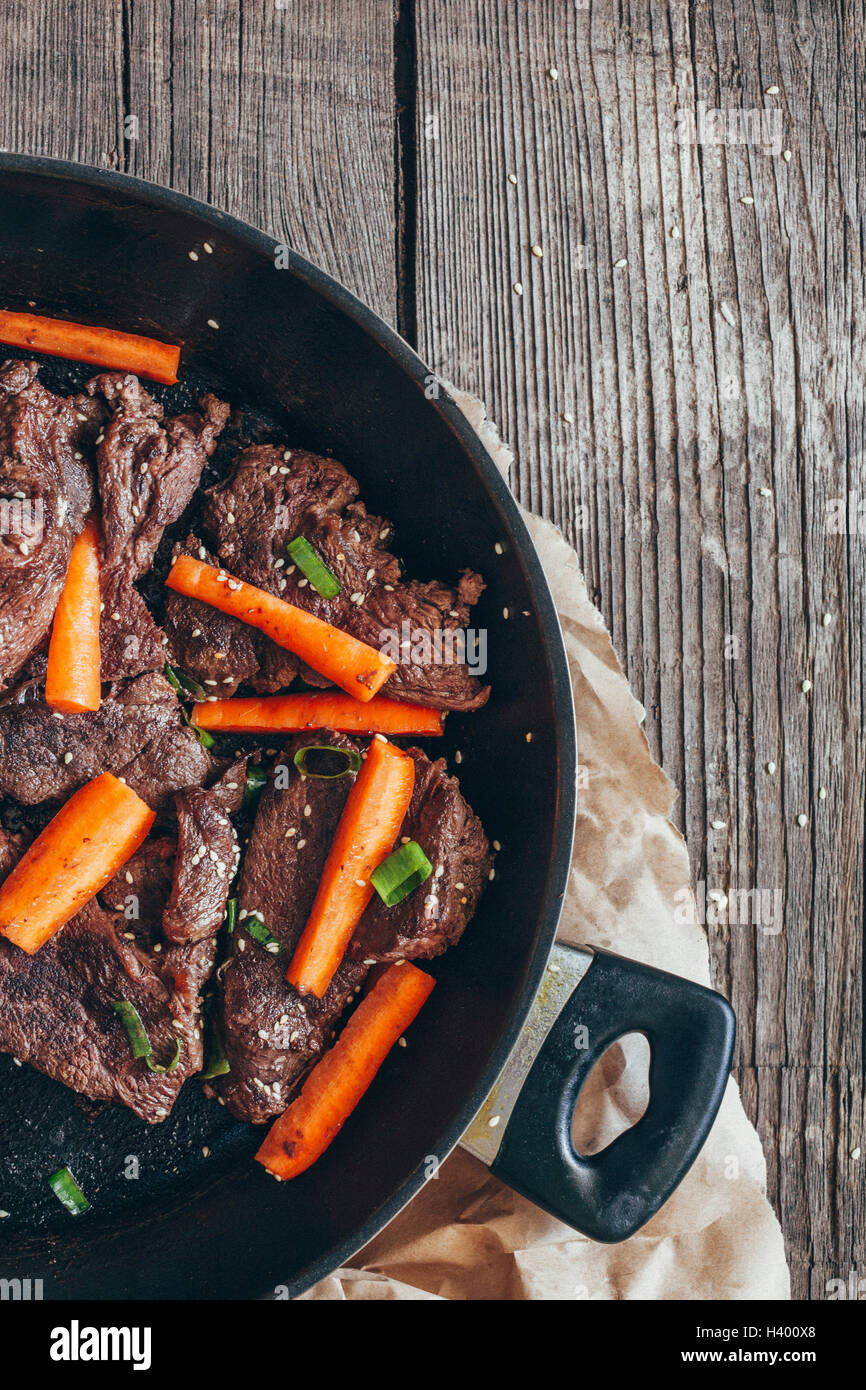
(466, 1235)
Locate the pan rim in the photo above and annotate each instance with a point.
(149, 194)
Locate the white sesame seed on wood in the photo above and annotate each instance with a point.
(517, 287)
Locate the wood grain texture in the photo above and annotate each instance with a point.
(687, 416)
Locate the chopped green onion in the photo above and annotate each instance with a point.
(231, 913)
(327, 761)
(256, 779)
(131, 1020)
(404, 870)
(217, 1063)
(323, 580)
(257, 929)
(69, 1193)
(174, 679)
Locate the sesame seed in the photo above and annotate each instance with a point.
(196, 632)
(529, 738)
(308, 810)
(718, 824)
(359, 883)
(765, 491)
(291, 831)
(202, 553)
(401, 1042)
(518, 288)
(618, 265)
(492, 874)
(806, 686)
(512, 178)
(498, 548)
(771, 768)
(458, 756)
(115, 617)
(263, 1033)
(210, 682)
(772, 91)
(301, 844)
(822, 793)
(207, 246)
(826, 619)
(494, 1121)
(505, 613)
(786, 155)
(497, 846)
(802, 820)
(747, 199)
(675, 232)
(212, 323)
(302, 583)
(727, 313)
(67, 758)
(460, 887)
(537, 251)
(568, 417)
(230, 518)
(193, 255)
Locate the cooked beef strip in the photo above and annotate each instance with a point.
(136, 733)
(45, 493)
(435, 915)
(273, 496)
(278, 882)
(208, 856)
(148, 469)
(56, 1006)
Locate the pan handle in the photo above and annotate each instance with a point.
(610, 1195)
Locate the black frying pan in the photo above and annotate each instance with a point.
(298, 350)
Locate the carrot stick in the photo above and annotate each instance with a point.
(89, 839)
(284, 714)
(368, 827)
(103, 347)
(336, 1083)
(357, 668)
(72, 683)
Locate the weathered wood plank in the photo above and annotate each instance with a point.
(62, 69)
(282, 113)
(687, 416)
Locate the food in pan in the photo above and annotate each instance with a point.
(146, 858)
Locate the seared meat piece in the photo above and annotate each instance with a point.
(270, 1033)
(148, 469)
(273, 496)
(208, 856)
(45, 493)
(136, 733)
(434, 917)
(56, 1006)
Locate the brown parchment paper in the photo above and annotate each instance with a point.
(466, 1235)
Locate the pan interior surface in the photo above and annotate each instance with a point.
(180, 1209)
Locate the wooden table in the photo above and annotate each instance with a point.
(679, 367)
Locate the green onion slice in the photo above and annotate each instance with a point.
(404, 870)
(231, 913)
(184, 685)
(256, 779)
(324, 760)
(217, 1063)
(257, 929)
(69, 1193)
(323, 580)
(137, 1034)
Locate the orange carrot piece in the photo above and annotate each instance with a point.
(368, 827)
(89, 839)
(336, 1083)
(73, 683)
(357, 668)
(103, 347)
(283, 714)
